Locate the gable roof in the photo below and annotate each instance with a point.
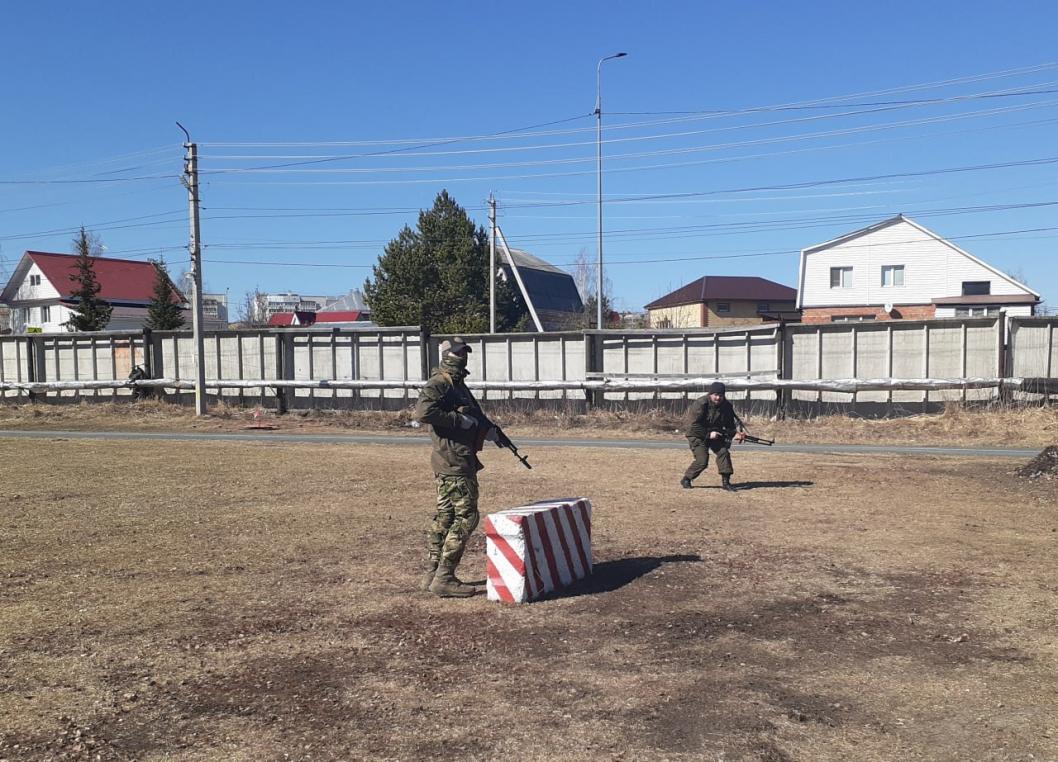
(120, 280)
(888, 223)
(733, 287)
(549, 287)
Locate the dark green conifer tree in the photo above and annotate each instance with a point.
(437, 276)
(91, 312)
(163, 314)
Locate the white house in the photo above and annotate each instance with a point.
(41, 297)
(898, 269)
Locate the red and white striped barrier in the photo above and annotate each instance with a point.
(537, 548)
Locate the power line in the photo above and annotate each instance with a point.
(742, 255)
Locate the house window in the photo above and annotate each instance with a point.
(45, 314)
(976, 288)
(850, 318)
(723, 308)
(892, 275)
(34, 280)
(841, 277)
(763, 307)
(975, 311)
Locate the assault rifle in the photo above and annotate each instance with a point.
(747, 437)
(502, 440)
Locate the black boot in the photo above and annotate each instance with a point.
(727, 485)
(685, 483)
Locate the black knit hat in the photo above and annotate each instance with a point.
(717, 388)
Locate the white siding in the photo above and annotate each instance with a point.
(932, 269)
(27, 292)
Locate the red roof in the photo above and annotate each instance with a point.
(350, 316)
(733, 287)
(281, 318)
(120, 280)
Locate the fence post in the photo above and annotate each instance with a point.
(36, 366)
(424, 355)
(1004, 393)
(780, 369)
(284, 369)
(592, 398)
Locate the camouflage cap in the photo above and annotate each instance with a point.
(454, 345)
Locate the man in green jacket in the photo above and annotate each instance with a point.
(455, 420)
(711, 425)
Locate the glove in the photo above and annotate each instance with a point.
(492, 435)
(465, 421)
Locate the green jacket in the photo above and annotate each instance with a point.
(453, 447)
(704, 416)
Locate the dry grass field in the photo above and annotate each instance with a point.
(996, 426)
(219, 601)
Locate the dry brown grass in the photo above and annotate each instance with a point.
(957, 425)
(218, 601)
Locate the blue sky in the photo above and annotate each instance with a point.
(758, 129)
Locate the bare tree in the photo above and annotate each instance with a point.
(252, 311)
(585, 276)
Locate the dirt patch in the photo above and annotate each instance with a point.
(1043, 466)
(255, 601)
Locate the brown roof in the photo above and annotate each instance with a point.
(733, 287)
(989, 299)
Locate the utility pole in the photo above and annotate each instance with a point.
(598, 156)
(190, 179)
(492, 264)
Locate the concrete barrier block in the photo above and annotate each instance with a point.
(534, 549)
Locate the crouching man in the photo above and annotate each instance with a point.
(711, 425)
(456, 436)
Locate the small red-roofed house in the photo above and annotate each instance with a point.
(332, 319)
(41, 297)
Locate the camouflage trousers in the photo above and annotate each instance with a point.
(455, 519)
(701, 448)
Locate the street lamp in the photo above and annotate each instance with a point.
(598, 154)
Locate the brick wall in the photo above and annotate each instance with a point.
(903, 312)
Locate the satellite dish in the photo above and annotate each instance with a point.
(888, 307)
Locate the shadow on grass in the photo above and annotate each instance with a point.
(613, 575)
(771, 485)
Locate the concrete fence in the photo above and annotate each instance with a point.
(870, 363)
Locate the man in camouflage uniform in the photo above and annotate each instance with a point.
(455, 419)
(712, 425)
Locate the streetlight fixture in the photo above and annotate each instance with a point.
(598, 155)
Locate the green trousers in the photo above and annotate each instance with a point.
(701, 449)
(455, 519)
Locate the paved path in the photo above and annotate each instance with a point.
(524, 445)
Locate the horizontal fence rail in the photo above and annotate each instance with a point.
(846, 385)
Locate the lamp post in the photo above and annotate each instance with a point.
(598, 155)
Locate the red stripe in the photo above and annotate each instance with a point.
(558, 515)
(575, 530)
(497, 581)
(549, 552)
(504, 547)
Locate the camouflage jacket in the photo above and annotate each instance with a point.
(704, 416)
(453, 448)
